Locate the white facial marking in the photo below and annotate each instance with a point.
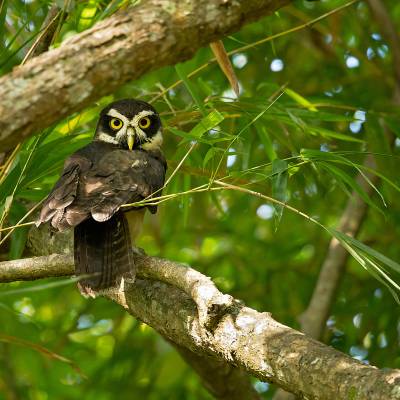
(114, 113)
(107, 138)
(135, 123)
(140, 115)
(155, 142)
(121, 135)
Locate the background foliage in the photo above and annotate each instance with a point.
(312, 105)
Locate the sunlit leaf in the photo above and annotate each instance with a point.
(298, 98)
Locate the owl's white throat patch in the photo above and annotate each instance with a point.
(155, 142)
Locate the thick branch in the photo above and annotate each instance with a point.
(121, 48)
(223, 380)
(237, 335)
(313, 320)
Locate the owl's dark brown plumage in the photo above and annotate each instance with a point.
(96, 181)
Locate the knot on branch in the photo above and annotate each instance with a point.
(215, 312)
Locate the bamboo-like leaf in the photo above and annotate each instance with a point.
(279, 186)
(210, 121)
(394, 125)
(19, 236)
(87, 17)
(300, 99)
(395, 266)
(330, 157)
(180, 70)
(209, 155)
(342, 176)
(326, 133)
(267, 143)
(3, 13)
(225, 64)
(186, 199)
(365, 256)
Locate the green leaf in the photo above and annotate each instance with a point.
(180, 70)
(321, 116)
(267, 143)
(186, 199)
(326, 133)
(208, 122)
(209, 155)
(19, 236)
(300, 99)
(279, 186)
(351, 182)
(329, 157)
(394, 125)
(395, 266)
(366, 257)
(187, 136)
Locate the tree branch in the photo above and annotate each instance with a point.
(123, 47)
(232, 334)
(222, 380)
(314, 318)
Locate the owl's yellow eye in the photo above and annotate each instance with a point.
(144, 122)
(115, 124)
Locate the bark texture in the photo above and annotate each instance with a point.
(121, 48)
(314, 318)
(223, 381)
(186, 308)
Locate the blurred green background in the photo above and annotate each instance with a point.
(312, 104)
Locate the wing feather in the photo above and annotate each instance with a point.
(97, 180)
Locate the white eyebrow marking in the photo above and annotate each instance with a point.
(114, 113)
(122, 131)
(140, 115)
(134, 122)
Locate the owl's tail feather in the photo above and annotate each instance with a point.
(103, 251)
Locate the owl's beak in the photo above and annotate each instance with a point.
(130, 138)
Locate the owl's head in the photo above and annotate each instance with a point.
(130, 124)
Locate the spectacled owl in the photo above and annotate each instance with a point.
(123, 164)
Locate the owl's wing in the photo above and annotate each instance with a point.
(98, 180)
(156, 176)
(64, 192)
(128, 177)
